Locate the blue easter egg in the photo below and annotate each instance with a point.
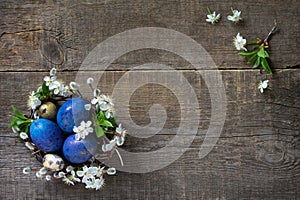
(71, 113)
(79, 151)
(46, 135)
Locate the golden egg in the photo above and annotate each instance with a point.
(48, 110)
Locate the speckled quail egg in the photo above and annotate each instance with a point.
(47, 110)
(53, 162)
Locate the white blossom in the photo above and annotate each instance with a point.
(236, 16)
(99, 171)
(95, 183)
(67, 181)
(64, 90)
(87, 173)
(212, 17)
(109, 146)
(83, 130)
(120, 137)
(239, 42)
(71, 178)
(263, 85)
(33, 102)
(51, 82)
(99, 182)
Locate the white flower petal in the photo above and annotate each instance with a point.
(80, 173)
(29, 146)
(43, 171)
(38, 174)
(61, 174)
(23, 135)
(120, 141)
(74, 86)
(261, 90)
(70, 168)
(265, 84)
(15, 129)
(97, 92)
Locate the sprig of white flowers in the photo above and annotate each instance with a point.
(91, 176)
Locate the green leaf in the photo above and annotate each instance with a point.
(267, 55)
(26, 129)
(18, 113)
(100, 116)
(19, 122)
(263, 53)
(252, 59)
(265, 65)
(13, 123)
(247, 53)
(38, 94)
(99, 131)
(45, 89)
(257, 63)
(105, 123)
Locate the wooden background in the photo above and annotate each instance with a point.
(258, 153)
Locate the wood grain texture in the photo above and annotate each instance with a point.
(258, 153)
(79, 27)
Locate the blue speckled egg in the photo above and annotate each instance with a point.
(46, 135)
(79, 151)
(71, 113)
(53, 162)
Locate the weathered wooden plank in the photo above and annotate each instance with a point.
(256, 155)
(232, 170)
(246, 107)
(64, 32)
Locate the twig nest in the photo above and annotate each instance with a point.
(53, 162)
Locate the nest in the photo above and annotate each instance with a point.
(69, 135)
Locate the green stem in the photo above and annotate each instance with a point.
(232, 10)
(252, 42)
(208, 9)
